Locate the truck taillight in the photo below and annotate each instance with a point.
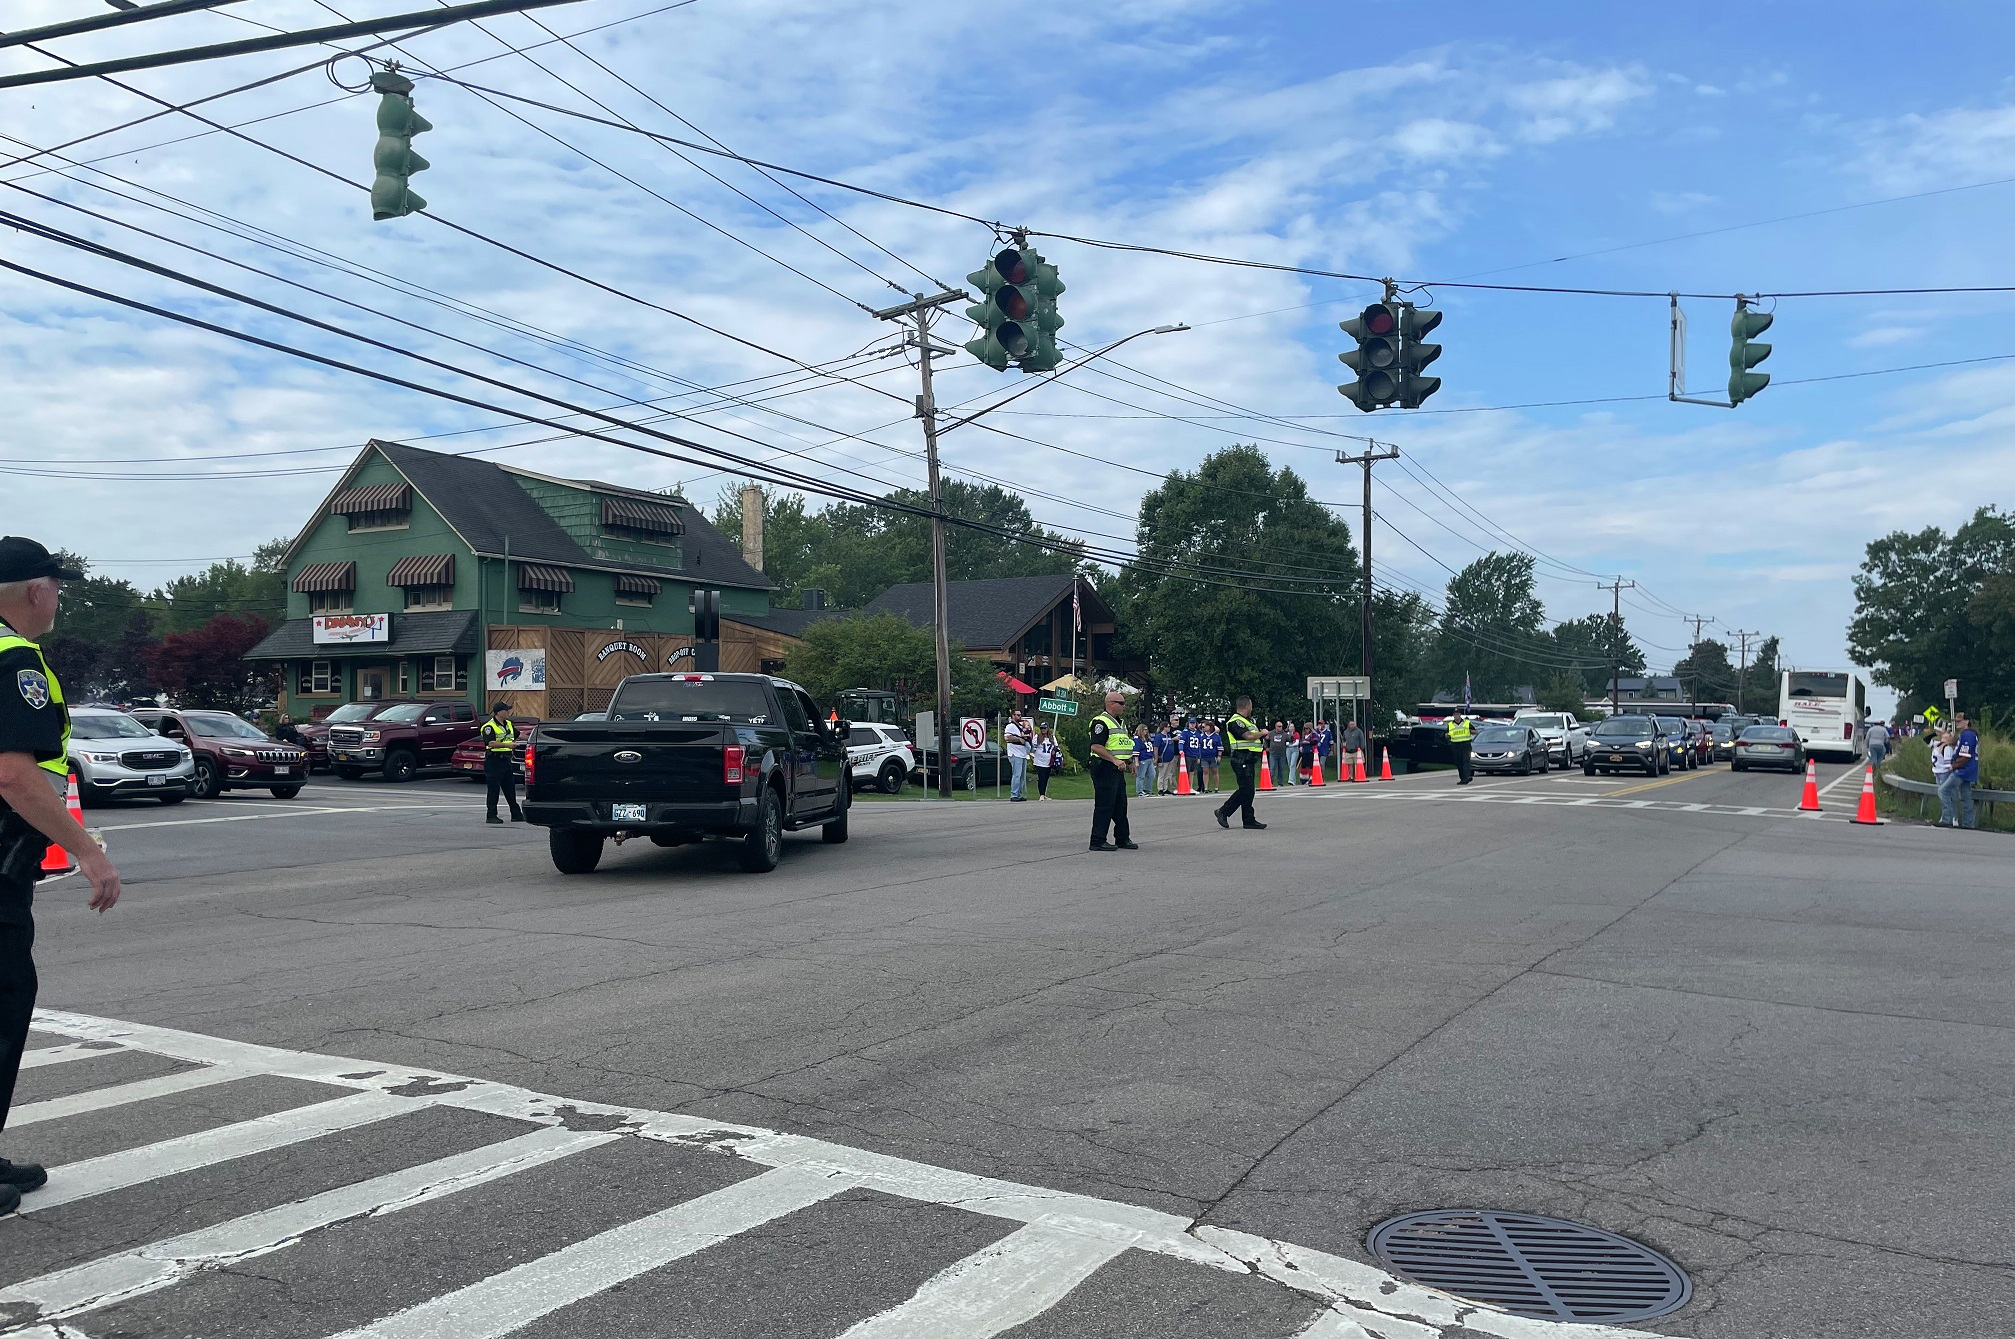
(731, 764)
(531, 764)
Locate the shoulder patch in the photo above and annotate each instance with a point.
(34, 686)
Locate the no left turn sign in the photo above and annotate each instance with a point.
(973, 732)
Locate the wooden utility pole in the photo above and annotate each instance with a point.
(1742, 668)
(1616, 589)
(1369, 458)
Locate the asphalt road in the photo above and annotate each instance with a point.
(1773, 1046)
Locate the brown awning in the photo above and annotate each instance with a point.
(423, 569)
(325, 577)
(644, 586)
(376, 497)
(531, 576)
(636, 514)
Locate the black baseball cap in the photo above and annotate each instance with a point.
(24, 560)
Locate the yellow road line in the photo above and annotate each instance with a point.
(1654, 785)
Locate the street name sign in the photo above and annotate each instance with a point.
(1056, 706)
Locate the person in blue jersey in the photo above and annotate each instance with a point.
(1213, 750)
(1192, 748)
(1168, 753)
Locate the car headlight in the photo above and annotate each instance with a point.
(230, 752)
(373, 736)
(103, 757)
(1644, 743)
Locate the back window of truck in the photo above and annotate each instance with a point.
(691, 700)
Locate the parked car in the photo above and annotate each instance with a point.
(1673, 728)
(469, 754)
(1769, 746)
(1509, 748)
(315, 734)
(879, 756)
(231, 752)
(401, 738)
(1627, 744)
(687, 756)
(1724, 740)
(1566, 737)
(971, 768)
(115, 756)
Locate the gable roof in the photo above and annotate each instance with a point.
(983, 615)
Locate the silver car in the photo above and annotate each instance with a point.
(116, 757)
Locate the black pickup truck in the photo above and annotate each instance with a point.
(682, 757)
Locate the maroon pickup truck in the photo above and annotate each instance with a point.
(400, 738)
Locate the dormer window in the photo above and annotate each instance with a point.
(639, 518)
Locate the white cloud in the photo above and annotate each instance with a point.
(1950, 148)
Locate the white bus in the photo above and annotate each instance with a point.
(1826, 708)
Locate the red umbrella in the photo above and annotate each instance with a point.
(1013, 682)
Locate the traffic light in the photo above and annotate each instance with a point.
(1742, 355)
(1415, 353)
(1376, 359)
(392, 194)
(1006, 310)
(1046, 355)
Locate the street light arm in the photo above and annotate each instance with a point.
(1068, 367)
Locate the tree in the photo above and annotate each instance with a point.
(102, 638)
(229, 587)
(1244, 584)
(207, 667)
(1492, 629)
(1756, 677)
(883, 652)
(1927, 609)
(1708, 672)
(1592, 644)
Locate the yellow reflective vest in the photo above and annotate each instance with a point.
(60, 764)
(498, 737)
(1117, 741)
(1460, 729)
(1236, 728)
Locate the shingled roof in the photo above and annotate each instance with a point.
(986, 615)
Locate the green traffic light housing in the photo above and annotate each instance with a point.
(1376, 359)
(392, 194)
(1016, 313)
(1415, 353)
(1743, 355)
(1045, 356)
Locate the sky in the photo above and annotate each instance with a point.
(1778, 148)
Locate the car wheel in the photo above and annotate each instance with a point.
(1588, 769)
(574, 852)
(835, 832)
(176, 798)
(400, 766)
(350, 773)
(203, 785)
(285, 792)
(1545, 763)
(892, 778)
(763, 847)
(1737, 767)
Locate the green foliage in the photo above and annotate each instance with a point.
(1588, 645)
(854, 552)
(206, 667)
(1708, 672)
(1210, 637)
(230, 587)
(1931, 606)
(1565, 692)
(881, 652)
(1492, 629)
(104, 631)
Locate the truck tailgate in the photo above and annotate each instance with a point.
(667, 762)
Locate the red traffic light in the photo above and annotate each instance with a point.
(1379, 319)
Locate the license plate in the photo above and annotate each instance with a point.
(342, 757)
(283, 771)
(626, 813)
(156, 779)
(1616, 757)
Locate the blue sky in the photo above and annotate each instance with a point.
(1429, 141)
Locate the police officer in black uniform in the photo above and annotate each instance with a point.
(1245, 740)
(500, 768)
(1112, 764)
(34, 778)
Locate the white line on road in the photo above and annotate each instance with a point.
(57, 1055)
(97, 1099)
(170, 1157)
(302, 811)
(516, 1297)
(119, 1278)
(1009, 1283)
(1854, 774)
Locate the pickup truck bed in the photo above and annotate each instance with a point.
(683, 757)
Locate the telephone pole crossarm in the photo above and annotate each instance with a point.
(1370, 457)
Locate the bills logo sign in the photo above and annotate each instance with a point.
(511, 670)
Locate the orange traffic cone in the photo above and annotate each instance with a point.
(1265, 772)
(57, 860)
(1182, 775)
(1315, 774)
(1866, 812)
(1810, 804)
(1385, 764)
(1360, 768)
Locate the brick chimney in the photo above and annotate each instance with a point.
(752, 525)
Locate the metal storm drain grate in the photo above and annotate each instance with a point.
(1546, 1268)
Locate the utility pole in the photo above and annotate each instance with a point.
(1742, 667)
(1696, 621)
(921, 310)
(1370, 457)
(1616, 589)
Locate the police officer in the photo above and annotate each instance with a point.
(34, 778)
(499, 736)
(1460, 731)
(1245, 740)
(1111, 760)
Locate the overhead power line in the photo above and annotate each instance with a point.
(117, 19)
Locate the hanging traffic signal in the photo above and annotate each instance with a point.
(1415, 353)
(1005, 312)
(1376, 359)
(1046, 355)
(1742, 355)
(392, 194)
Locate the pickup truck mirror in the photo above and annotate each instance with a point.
(842, 728)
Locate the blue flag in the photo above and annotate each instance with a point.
(1465, 693)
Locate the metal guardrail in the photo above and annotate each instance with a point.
(1904, 783)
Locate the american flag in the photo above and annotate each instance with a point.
(1076, 612)
(1465, 693)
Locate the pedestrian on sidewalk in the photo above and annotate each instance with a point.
(1943, 748)
(1143, 751)
(1354, 742)
(34, 780)
(1014, 737)
(1167, 756)
(1278, 741)
(1192, 753)
(1112, 758)
(1966, 769)
(1213, 748)
(1325, 748)
(1046, 757)
(1878, 743)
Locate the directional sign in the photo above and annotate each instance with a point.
(973, 732)
(1056, 706)
(1339, 686)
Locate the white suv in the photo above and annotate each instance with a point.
(880, 756)
(1566, 737)
(117, 757)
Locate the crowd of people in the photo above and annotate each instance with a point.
(1196, 742)
(1955, 769)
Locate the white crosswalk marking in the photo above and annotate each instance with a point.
(170, 1157)
(1060, 1242)
(515, 1298)
(58, 1055)
(98, 1099)
(1010, 1282)
(116, 1278)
